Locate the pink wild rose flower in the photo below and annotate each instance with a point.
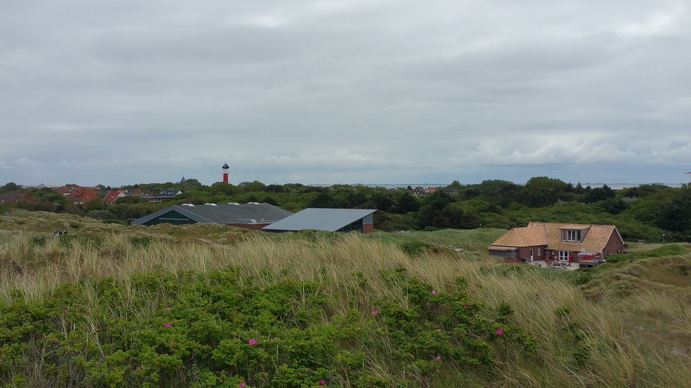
(252, 341)
(499, 331)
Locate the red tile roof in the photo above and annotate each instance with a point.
(112, 196)
(77, 194)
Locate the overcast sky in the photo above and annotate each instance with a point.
(349, 91)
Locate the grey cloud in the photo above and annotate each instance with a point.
(343, 91)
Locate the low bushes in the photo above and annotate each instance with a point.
(194, 329)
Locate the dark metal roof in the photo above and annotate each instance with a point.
(320, 219)
(248, 213)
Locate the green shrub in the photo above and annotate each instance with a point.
(192, 329)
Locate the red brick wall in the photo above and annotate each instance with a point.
(367, 228)
(524, 253)
(614, 245)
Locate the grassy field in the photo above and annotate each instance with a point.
(204, 305)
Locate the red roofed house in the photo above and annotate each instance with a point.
(77, 194)
(558, 242)
(114, 195)
(16, 196)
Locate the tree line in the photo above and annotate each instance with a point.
(644, 212)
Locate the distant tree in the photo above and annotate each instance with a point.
(95, 204)
(11, 186)
(578, 189)
(131, 199)
(614, 205)
(599, 194)
(46, 194)
(323, 200)
(676, 215)
(455, 185)
(270, 200)
(192, 182)
(224, 188)
(542, 191)
(252, 186)
(382, 200)
(276, 189)
(405, 202)
(433, 205)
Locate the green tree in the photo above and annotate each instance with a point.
(11, 186)
(599, 194)
(676, 215)
(405, 202)
(252, 186)
(543, 191)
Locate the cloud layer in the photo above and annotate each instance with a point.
(376, 91)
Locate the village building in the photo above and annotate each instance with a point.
(164, 194)
(17, 196)
(558, 242)
(79, 195)
(330, 220)
(251, 215)
(113, 196)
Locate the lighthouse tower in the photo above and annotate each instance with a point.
(225, 172)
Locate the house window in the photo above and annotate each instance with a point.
(563, 255)
(569, 235)
(539, 253)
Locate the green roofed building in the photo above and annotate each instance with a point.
(251, 215)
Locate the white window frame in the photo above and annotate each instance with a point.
(563, 256)
(571, 235)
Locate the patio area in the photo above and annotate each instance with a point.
(555, 265)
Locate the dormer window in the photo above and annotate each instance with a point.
(571, 235)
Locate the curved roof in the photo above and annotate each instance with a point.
(248, 213)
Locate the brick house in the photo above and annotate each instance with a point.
(17, 196)
(558, 242)
(112, 196)
(78, 195)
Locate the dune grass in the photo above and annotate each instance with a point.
(117, 277)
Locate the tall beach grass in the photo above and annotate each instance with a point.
(641, 340)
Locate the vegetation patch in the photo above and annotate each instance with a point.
(207, 329)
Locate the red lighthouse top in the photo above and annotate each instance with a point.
(225, 172)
